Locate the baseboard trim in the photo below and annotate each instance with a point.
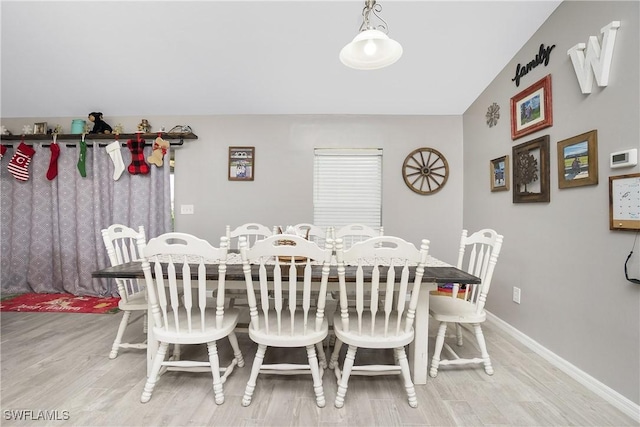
(607, 393)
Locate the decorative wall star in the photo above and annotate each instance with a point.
(493, 114)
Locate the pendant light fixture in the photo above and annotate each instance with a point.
(371, 48)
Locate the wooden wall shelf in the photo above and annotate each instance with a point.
(149, 137)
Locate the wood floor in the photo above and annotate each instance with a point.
(59, 362)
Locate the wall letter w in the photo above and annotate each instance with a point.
(596, 58)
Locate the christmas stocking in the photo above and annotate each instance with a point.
(82, 159)
(19, 164)
(160, 147)
(53, 163)
(116, 157)
(138, 165)
(3, 150)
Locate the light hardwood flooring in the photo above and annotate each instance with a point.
(60, 362)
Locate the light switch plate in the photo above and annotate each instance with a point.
(186, 209)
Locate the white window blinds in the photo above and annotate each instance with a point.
(347, 187)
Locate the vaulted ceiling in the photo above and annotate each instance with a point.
(251, 57)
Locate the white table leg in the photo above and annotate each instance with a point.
(419, 349)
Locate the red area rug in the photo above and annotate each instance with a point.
(59, 303)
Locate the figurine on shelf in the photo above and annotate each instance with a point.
(27, 130)
(117, 129)
(4, 131)
(144, 126)
(99, 125)
(57, 129)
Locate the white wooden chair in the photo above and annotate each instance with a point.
(121, 245)
(315, 234)
(279, 317)
(181, 314)
(252, 231)
(384, 318)
(478, 255)
(354, 233)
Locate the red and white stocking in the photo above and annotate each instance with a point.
(19, 164)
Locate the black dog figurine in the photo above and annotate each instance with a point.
(99, 125)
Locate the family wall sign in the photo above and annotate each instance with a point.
(542, 57)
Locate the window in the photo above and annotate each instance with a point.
(347, 187)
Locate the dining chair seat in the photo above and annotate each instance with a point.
(305, 333)
(210, 330)
(454, 309)
(378, 337)
(135, 302)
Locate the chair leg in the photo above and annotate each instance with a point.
(255, 370)
(459, 334)
(322, 358)
(333, 362)
(346, 372)
(214, 361)
(155, 371)
(437, 351)
(401, 357)
(145, 323)
(315, 373)
(233, 340)
(483, 348)
(121, 328)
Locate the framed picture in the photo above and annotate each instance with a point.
(499, 173)
(40, 128)
(241, 163)
(578, 160)
(531, 171)
(531, 109)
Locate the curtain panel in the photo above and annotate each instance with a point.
(51, 230)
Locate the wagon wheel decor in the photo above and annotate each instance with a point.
(425, 170)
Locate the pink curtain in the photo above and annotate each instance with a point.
(50, 229)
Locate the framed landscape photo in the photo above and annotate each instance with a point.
(241, 163)
(578, 160)
(499, 173)
(40, 128)
(531, 109)
(531, 171)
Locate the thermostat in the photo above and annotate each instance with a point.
(624, 158)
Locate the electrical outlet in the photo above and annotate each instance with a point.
(516, 295)
(186, 209)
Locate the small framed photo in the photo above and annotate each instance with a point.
(531, 171)
(40, 128)
(499, 173)
(241, 163)
(578, 160)
(531, 109)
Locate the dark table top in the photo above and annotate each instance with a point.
(133, 270)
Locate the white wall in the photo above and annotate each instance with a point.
(569, 265)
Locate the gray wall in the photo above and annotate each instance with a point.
(569, 265)
(282, 192)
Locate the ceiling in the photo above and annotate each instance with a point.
(63, 59)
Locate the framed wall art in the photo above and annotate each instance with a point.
(578, 160)
(499, 173)
(531, 109)
(40, 128)
(531, 171)
(241, 163)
